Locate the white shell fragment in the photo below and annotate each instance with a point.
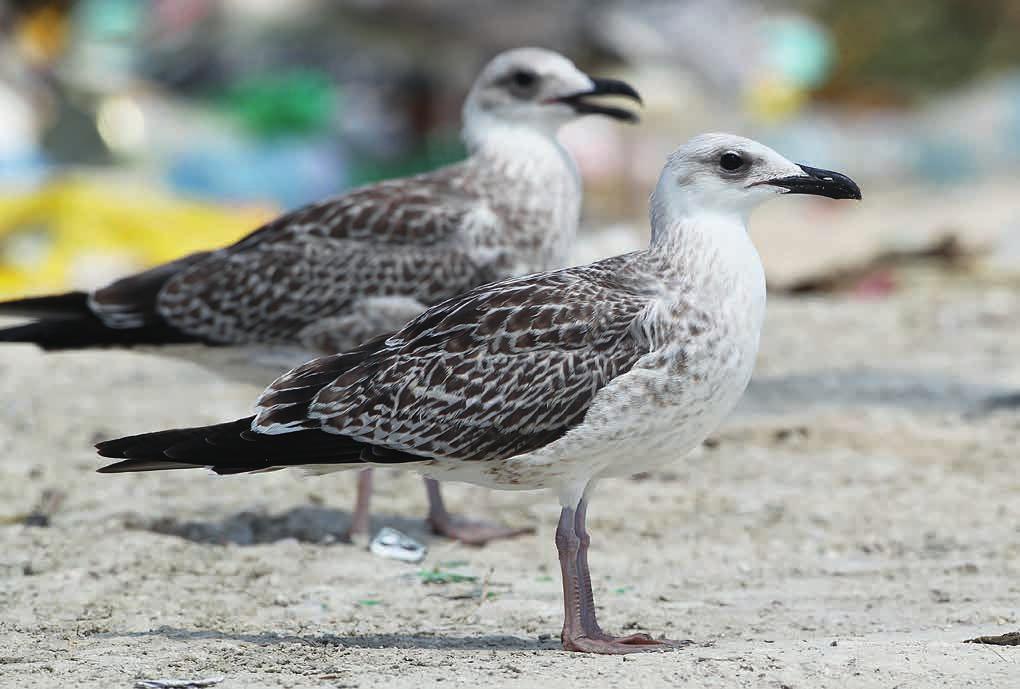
(393, 544)
(178, 683)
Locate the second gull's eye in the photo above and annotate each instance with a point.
(731, 161)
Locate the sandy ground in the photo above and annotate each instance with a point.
(855, 521)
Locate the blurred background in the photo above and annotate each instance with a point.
(135, 131)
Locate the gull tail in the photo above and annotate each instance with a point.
(67, 305)
(63, 320)
(122, 314)
(233, 448)
(89, 331)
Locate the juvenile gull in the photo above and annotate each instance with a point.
(555, 380)
(327, 277)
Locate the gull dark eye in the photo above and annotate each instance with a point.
(521, 83)
(731, 161)
(523, 79)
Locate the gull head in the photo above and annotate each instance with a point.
(728, 174)
(542, 90)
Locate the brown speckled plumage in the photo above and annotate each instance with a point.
(424, 238)
(501, 370)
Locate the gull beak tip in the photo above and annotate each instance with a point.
(818, 182)
(605, 87)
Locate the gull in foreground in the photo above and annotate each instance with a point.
(330, 276)
(552, 381)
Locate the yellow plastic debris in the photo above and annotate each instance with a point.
(47, 234)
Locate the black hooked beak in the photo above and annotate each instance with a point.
(820, 183)
(604, 87)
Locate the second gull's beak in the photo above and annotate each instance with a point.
(603, 87)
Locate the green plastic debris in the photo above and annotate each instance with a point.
(295, 102)
(438, 576)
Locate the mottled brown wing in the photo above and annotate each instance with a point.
(420, 210)
(501, 370)
(131, 301)
(269, 294)
(401, 238)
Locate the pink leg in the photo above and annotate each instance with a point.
(460, 529)
(581, 631)
(588, 621)
(360, 530)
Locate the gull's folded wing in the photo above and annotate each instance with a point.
(501, 370)
(397, 238)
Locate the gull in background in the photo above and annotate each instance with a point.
(330, 276)
(552, 381)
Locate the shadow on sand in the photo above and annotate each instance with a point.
(386, 641)
(871, 387)
(308, 524)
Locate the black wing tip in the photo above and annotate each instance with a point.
(66, 305)
(63, 333)
(159, 450)
(136, 465)
(115, 448)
